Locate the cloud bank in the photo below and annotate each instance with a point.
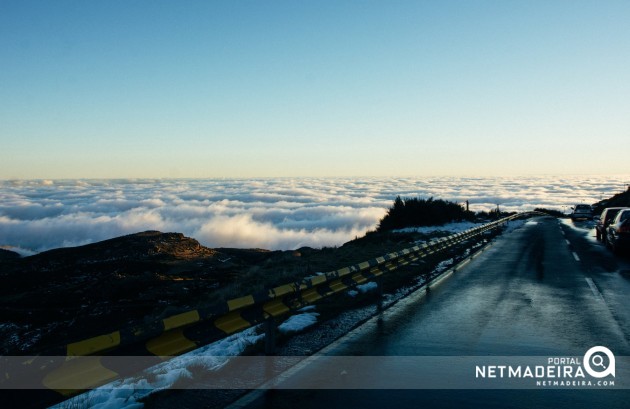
(265, 213)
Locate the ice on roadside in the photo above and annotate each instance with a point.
(443, 265)
(455, 227)
(298, 322)
(363, 288)
(126, 393)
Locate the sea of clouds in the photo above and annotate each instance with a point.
(38, 215)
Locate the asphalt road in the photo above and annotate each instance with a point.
(545, 289)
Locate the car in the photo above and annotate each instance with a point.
(604, 220)
(618, 232)
(582, 212)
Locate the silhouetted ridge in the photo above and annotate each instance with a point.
(138, 246)
(618, 200)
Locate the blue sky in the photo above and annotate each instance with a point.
(313, 88)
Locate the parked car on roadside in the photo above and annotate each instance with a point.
(618, 233)
(582, 212)
(604, 221)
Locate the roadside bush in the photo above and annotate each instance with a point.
(422, 212)
(550, 212)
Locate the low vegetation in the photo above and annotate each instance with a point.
(422, 212)
(550, 212)
(416, 212)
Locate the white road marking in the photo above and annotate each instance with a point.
(594, 289)
(568, 242)
(575, 256)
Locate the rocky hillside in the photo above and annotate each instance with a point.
(130, 277)
(8, 256)
(145, 246)
(73, 293)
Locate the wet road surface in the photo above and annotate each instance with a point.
(545, 289)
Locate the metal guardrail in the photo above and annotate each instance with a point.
(183, 332)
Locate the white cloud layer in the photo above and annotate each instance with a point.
(265, 213)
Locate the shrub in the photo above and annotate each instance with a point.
(422, 212)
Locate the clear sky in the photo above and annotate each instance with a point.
(313, 88)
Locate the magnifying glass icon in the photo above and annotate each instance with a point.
(598, 360)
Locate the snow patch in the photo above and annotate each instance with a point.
(455, 227)
(513, 225)
(126, 393)
(367, 287)
(443, 265)
(298, 322)
(363, 288)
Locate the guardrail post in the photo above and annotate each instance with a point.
(379, 293)
(270, 336)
